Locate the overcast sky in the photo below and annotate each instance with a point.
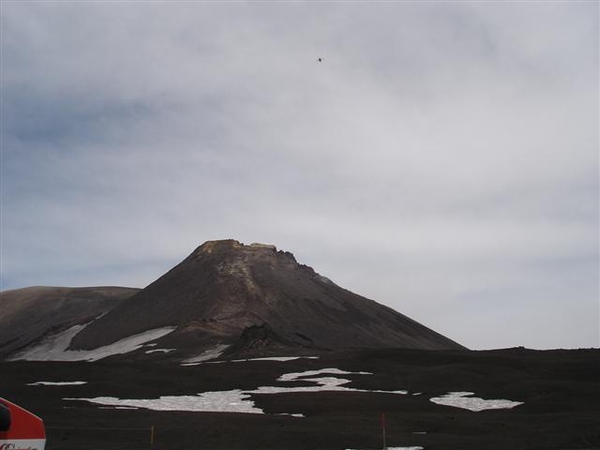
(442, 159)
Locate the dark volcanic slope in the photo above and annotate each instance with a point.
(28, 314)
(223, 287)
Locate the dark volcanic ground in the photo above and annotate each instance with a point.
(560, 391)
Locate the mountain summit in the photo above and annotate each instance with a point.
(257, 300)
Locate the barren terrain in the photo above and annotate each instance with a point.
(559, 391)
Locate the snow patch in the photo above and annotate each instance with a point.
(57, 383)
(160, 350)
(294, 376)
(223, 401)
(54, 347)
(465, 401)
(266, 358)
(211, 353)
(416, 447)
(131, 408)
(275, 358)
(238, 401)
(400, 448)
(324, 383)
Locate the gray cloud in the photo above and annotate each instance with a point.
(442, 159)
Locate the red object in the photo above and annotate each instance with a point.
(26, 430)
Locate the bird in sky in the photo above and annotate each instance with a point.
(320, 59)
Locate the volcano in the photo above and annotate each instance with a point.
(257, 301)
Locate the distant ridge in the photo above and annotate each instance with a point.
(29, 314)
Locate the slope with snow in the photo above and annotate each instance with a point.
(55, 347)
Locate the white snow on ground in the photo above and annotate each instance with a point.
(322, 383)
(294, 376)
(224, 401)
(54, 347)
(51, 347)
(400, 448)
(57, 383)
(465, 401)
(118, 407)
(416, 447)
(160, 350)
(275, 358)
(238, 401)
(212, 353)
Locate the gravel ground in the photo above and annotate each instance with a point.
(559, 391)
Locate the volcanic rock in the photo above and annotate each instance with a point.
(225, 287)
